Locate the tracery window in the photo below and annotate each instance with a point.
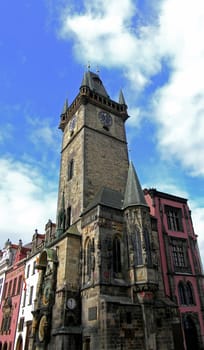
(147, 247)
(136, 242)
(186, 296)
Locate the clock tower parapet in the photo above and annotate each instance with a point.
(92, 91)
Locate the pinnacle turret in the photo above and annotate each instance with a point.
(133, 193)
(65, 107)
(121, 98)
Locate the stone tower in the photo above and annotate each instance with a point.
(94, 149)
(100, 284)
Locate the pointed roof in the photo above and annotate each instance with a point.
(65, 106)
(94, 83)
(121, 98)
(133, 193)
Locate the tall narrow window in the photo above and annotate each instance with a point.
(31, 295)
(68, 217)
(178, 256)
(34, 263)
(88, 259)
(24, 298)
(147, 247)
(5, 290)
(19, 284)
(14, 286)
(9, 288)
(28, 271)
(70, 169)
(189, 292)
(174, 218)
(116, 255)
(182, 294)
(136, 242)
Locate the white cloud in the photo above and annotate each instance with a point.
(27, 198)
(42, 132)
(198, 222)
(179, 105)
(116, 34)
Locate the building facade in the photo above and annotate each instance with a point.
(13, 261)
(100, 283)
(28, 294)
(181, 263)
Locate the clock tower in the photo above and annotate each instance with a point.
(100, 284)
(94, 149)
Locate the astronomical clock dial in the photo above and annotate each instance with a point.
(41, 330)
(71, 303)
(105, 118)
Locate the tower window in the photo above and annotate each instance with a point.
(68, 217)
(148, 247)
(174, 218)
(136, 242)
(70, 169)
(116, 255)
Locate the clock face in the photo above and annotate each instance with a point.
(72, 123)
(105, 118)
(71, 303)
(42, 325)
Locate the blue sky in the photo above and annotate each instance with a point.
(154, 52)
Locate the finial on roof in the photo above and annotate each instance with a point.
(134, 195)
(65, 106)
(88, 66)
(121, 98)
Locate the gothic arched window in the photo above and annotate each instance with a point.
(116, 255)
(147, 247)
(182, 294)
(189, 292)
(136, 242)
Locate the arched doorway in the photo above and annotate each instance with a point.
(191, 336)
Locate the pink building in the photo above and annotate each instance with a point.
(180, 261)
(13, 284)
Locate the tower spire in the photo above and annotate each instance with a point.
(133, 192)
(121, 98)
